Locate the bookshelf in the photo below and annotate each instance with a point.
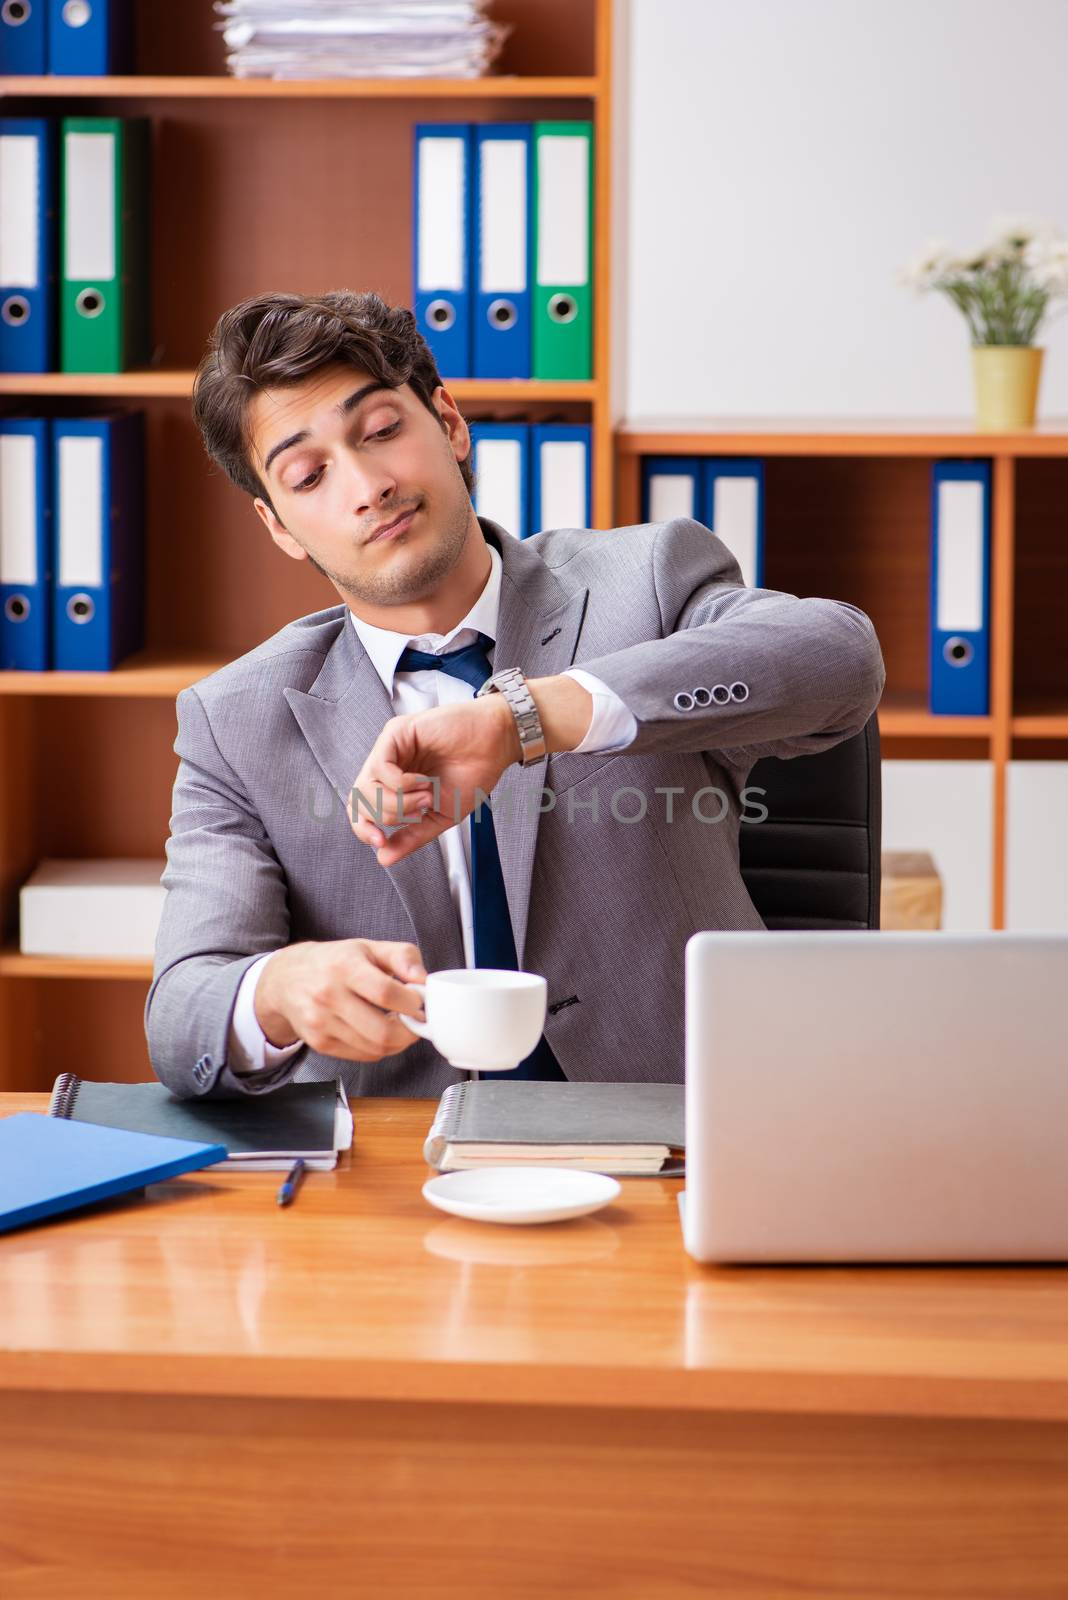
(847, 514)
(252, 192)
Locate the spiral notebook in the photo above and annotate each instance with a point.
(628, 1129)
(263, 1132)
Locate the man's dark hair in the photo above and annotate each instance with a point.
(277, 339)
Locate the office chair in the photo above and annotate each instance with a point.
(815, 861)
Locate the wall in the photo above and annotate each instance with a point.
(786, 157)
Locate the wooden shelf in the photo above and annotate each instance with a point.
(522, 389)
(102, 385)
(13, 964)
(147, 674)
(144, 384)
(905, 716)
(225, 88)
(817, 436)
(1042, 718)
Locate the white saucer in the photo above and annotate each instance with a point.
(521, 1194)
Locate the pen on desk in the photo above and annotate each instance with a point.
(288, 1192)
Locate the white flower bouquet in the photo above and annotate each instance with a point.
(1005, 289)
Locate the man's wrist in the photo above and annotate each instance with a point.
(274, 1025)
(497, 706)
(565, 709)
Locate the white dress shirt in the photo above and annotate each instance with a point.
(612, 727)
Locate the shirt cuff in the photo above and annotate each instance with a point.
(612, 726)
(250, 1049)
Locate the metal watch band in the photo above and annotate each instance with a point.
(512, 684)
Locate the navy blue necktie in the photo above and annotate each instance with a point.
(494, 939)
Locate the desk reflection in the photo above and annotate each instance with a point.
(548, 1244)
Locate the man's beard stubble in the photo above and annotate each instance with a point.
(402, 583)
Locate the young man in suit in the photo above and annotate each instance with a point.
(610, 690)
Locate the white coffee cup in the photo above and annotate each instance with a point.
(481, 1019)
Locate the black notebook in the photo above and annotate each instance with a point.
(630, 1129)
(264, 1132)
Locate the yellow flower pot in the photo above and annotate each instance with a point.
(1006, 385)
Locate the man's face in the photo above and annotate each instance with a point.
(342, 458)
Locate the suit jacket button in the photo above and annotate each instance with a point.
(684, 701)
(702, 697)
(739, 691)
(721, 694)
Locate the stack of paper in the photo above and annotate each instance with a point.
(92, 908)
(359, 38)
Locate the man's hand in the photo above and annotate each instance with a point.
(337, 995)
(466, 748)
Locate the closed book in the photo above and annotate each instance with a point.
(629, 1129)
(310, 1122)
(47, 1167)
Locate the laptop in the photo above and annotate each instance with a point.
(870, 1097)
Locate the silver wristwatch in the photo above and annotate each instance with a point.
(512, 683)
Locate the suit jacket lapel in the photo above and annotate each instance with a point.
(341, 716)
(538, 629)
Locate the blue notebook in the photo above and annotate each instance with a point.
(48, 1165)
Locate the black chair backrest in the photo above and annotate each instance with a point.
(815, 861)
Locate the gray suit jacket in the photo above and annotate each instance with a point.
(262, 854)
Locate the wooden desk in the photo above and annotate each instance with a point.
(203, 1394)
